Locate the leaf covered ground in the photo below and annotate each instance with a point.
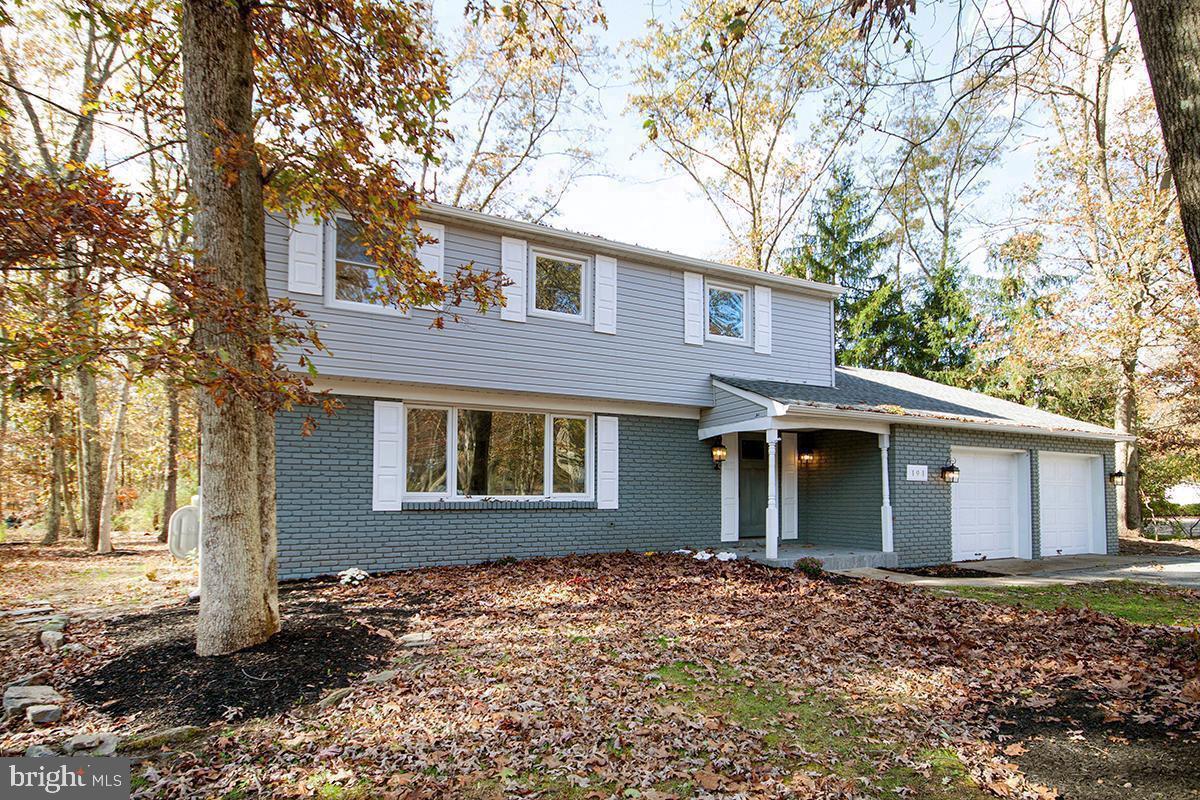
(139, 572)
(658, 676)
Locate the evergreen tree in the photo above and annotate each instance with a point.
(871, 328)
(880, 334)
(947, 330)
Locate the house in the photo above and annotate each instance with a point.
(627, 398)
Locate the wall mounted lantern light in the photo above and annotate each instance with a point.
(1117, 478)
(806, 452)
(951, 473)
(719, 454)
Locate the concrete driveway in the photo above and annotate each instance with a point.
(1171, 570)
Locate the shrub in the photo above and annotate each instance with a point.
(812, 567)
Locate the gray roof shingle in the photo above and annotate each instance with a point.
(896, 393)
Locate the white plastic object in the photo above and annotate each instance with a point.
(183, 532)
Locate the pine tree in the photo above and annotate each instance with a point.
(871, 329)
(947, 330)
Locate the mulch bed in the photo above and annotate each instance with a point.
(1074, 748)
(946, 571)
(157, 678)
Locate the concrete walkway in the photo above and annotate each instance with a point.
(1169, 570)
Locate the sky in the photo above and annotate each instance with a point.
(643, 201)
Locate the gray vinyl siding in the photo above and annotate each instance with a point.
(646, 360)
(921, 510)
(841, 491)
(728, 408)
(669, 497)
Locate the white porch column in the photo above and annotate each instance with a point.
(729, 489)
(885, 511)
(772, 495)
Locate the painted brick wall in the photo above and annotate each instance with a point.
(669, 497)
(921, 511)
(841, 491)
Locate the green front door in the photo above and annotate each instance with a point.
(752, 486)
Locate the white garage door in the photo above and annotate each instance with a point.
(1068, 495)
(984, 505)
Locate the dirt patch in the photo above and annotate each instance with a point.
(1072, 748)
(157, 679)
(946, 571)
(1137, 546)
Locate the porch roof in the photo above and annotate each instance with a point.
(896, 397)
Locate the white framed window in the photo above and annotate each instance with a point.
(559, 285)
(353, 279)
(726, 313)
(426, 464)
(475, 453)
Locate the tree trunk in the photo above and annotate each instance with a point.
(91, 457)
(64, 484)
(54, 510)
(112, 475)
(1129, 502)
(238, 592)
(171, 487)
(1170, 36)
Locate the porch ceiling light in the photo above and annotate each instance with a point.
(1117, 478)
(719, 454)
(951, 473)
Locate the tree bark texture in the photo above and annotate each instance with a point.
(238, 591)
(91, 457)
(1129, 501)
(1170, 34)
(171, 484)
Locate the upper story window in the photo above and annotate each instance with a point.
(559, 285)
(726, 313)
(356, 278)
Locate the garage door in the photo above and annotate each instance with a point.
(1068, 492)
(984, 505)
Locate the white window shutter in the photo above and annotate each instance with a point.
(729, 489)
(306, 256)
(388, 485)
(693, 308)
(762, 319)
(605, 307)
(607, 462)
(514, 262)
(789, 489)
(433, 254)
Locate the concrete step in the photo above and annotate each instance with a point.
(836, 562)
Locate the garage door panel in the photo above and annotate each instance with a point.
(984, 505)
(1067, 503)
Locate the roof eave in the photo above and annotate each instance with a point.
(478, 219)
(923, 419)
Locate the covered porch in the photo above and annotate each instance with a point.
(800, 485)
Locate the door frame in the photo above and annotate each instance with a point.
(1022, 482)
(1097, 508)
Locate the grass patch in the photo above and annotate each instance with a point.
(1137, 602)
(819, 723)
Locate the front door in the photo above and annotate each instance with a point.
(752, 486)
